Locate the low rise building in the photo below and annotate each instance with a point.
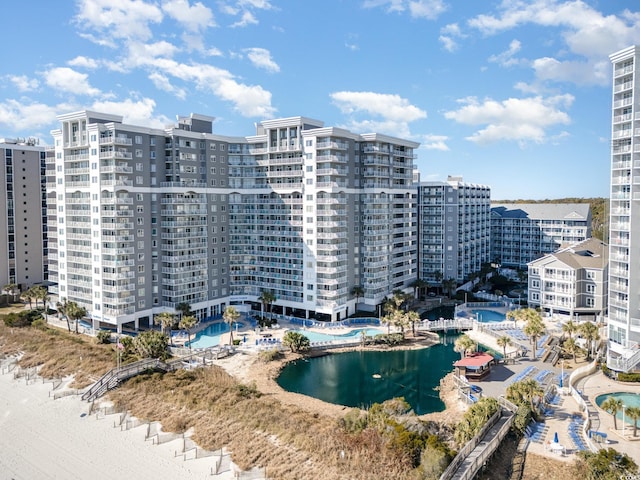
(572, 281)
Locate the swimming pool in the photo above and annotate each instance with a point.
(210, 336)
(325, 337)
(486, 316)
(628, 400)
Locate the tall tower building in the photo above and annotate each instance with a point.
(624, 220)
(146, 219)
(454, 229)
(23, 215)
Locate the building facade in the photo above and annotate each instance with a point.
(523, 232)
(454, 229)
(572, 281)
(147, 219)
(23, 214)
(624, 247)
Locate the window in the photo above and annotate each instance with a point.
(138, 139)
(139, 166)
(138, 153)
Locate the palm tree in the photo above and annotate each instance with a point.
(10, 289)
(504, 341)
(184, 309)
(634, 413)
(449, 285)
(62, 310)
(166, 320)
(29, 295)
(525, 391)
(267, 298)
(612, 405)
(438, 276)
(534, 329)
(188, 322)
(570, 346)
(357, 292)
(413, 317)
(589, 332)
(230, 315)
(75, 312)
(464, 344)
(569, 327)
(417, 285)
(40, 293)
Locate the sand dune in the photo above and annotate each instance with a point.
(43, 438)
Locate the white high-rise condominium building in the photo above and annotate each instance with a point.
(23, 219)
(624, 220)
(148, 218)
(454, 222)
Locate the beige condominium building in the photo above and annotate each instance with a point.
(522, 232)
(23, 215)
(571, 281)
(624, 220)
(148, 218)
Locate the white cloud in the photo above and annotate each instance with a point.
(429, 9)
(506, 58)
(385, 105)
(395, 112)
(581, 73)
(124, 19)
(134, 112)
(162, 83)
(587, 33)
(21, 116)
(449, 35)
(247, 18)
(83, 62)
(23, 83)
(434, 142)
(248, 100)
(515, 119)
(65, 79)
(194, 18)
(261, 58)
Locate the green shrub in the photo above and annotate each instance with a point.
(296, 341)
(40, 324)
(103, 336)
(248, 391)
(629, 377)
(269, 355)
(523, 417)
(21, 319)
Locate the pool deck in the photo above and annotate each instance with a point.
(558, 422)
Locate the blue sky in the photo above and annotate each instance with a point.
(511, 94)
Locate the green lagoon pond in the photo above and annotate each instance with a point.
(362, 378)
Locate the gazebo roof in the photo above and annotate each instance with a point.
(478, 359)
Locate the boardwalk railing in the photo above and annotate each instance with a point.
(447, 324)
(112, 378)
(505, 414)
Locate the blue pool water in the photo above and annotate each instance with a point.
(489, 315)
(628, 400)
(325, 337)
(210, 336)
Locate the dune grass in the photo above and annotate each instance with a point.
(58, 353)
(259, 430)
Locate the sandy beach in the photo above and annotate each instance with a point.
(43, 438)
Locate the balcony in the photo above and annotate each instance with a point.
(116, 169)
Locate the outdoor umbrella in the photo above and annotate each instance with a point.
(555, 437)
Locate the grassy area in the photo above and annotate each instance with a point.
(290, 442)
(58, 352)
